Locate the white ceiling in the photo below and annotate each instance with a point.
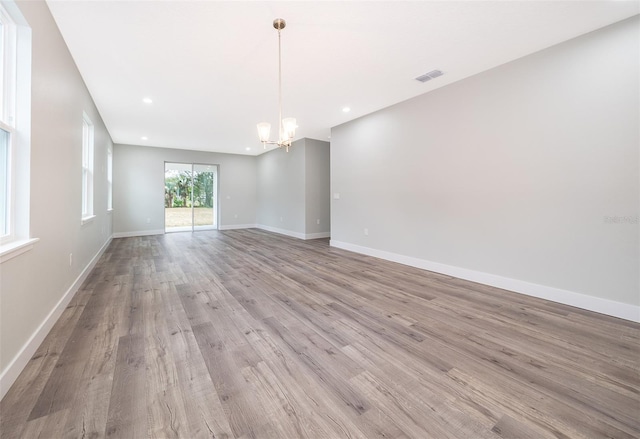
(211, 66)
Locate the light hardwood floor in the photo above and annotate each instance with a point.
(247, 334)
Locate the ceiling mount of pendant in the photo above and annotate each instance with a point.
(279, 23)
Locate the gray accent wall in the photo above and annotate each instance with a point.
(317, 187)
(33, 283)
(528, 171)
(281, 188)
(138, 194)
(293, 189)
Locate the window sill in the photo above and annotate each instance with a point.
(87, 219)
(16, 248)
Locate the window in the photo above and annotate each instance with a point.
(8, 68)
(5, 186)
(7, 122)
(109, 179)
(87, 168)
(15, 131)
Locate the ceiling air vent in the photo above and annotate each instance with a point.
(429, 76)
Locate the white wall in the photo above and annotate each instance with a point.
(138, 194)
(35, 282)
(510, 177)
(281, 189)
(317, 187)
(293, 190)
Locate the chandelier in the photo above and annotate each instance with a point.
(286, 127)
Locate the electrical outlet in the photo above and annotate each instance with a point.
(148, 220)
(366, 232)
(235, 216)
(70, 259)
(317, 221)
(281, 219)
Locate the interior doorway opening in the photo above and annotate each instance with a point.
(190, 197)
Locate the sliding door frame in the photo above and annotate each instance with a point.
(216, 194)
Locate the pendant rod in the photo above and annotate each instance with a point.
(285, 133)
(279, 89)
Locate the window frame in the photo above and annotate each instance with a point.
(109, 179)
(88, 149)
(8, 70)
(9, 234)
(8, 85)
(15, 114)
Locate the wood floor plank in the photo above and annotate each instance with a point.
(245, 415)
(20, 400)
(331, 378)
(46, 427)
(165, 408)
(303, 390)
(509, 428)
(562, 419)
(205, 416)
(62, 386)
(250, 334)
(91, 407)
(128, 404)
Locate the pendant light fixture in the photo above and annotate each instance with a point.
(286, 127)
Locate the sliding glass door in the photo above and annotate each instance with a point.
(190, 197)
(205, 198)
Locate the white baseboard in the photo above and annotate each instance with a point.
(15, 367)
(237, 226)
(281, 231)
(603, 306)
(317, 235)
(138, 233)
(292, 233)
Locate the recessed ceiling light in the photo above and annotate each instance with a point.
(144, 138)
(248, 149)
(147, 100)
(346, 109)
